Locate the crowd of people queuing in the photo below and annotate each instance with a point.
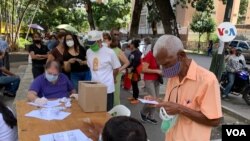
(60, 61)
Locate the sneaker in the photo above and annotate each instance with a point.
(135, 101)
(143, 117)
(152, 121)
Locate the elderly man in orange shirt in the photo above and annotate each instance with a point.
(192, 94)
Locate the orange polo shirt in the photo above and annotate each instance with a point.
(199, 90)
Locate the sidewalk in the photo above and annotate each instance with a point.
(24, 84)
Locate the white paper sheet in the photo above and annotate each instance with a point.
(72, 135)
(48, 114)
(49, 104)
(148, 101)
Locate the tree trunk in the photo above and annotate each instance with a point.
(217, 65)
(167, 17)
(12, 22)
(21, 19)
(33, 16)
(166, 14)
(136, 15)
(154, 27)
(199, 43)
(90, 14)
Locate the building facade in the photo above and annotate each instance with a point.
(184, 16)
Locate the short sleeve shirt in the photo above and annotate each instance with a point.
(199, 91)
(77, 67)
(150, 59)
(101, 64)
(43, 50)
(44, 88)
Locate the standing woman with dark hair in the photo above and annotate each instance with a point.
(135, 61)
(8, 124)
(39, 55)
(75, 60)
(125, 63)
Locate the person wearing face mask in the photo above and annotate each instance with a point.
(50, 85)
(192, 94)
(103, 63)
(75, 60)
(57, 53)
(125, 63)
(39, 55)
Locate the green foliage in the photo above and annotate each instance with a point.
(242, 11)
(214, 37)
(153, 12)
(202, 23)
(203, 6)
(60, 15)
(21, 42)
(115, 14)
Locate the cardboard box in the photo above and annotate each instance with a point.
(92, 96)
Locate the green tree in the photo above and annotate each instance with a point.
(202, 23)
(60, 15)
(203, 6)
(242, 11)
(114, 14)
(136, 15)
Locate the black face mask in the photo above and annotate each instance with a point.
(37, 41)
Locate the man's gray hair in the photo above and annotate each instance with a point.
(54, 64)
(172, 43)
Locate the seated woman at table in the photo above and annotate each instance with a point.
(124, 128)
(8, 124)
(50, 85)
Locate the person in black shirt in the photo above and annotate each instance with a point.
(75, 60)
(39, 55)
(135, 61)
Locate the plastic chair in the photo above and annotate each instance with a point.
(120, 110)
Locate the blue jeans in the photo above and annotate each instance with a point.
(79, 76)
(11, 83)
(231, 78)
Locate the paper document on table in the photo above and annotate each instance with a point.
(148, 101)
(48, 114)
(72, 135)
(49, 104)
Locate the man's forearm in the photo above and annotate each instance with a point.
(198, 116)
(6, 71)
